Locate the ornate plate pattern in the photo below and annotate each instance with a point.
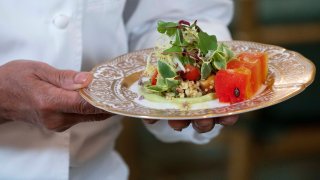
(289, 74)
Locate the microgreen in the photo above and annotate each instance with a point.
(168, 28)
(207, 42)
(188, 45)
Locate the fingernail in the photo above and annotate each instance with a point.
(202, 123)
(81, 77)
(178, 129)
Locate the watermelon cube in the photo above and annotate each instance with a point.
(258, 56)
(254, 66)
(233, 85)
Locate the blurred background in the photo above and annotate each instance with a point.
(279, 142)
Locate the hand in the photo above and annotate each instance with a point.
(37, 93)
(200, 125)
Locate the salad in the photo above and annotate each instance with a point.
(193, 67)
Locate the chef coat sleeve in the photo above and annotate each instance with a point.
(213, 17)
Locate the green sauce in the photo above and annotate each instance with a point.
(194, 100)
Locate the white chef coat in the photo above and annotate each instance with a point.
(78, 34)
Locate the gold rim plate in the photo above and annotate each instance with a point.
(289, 74)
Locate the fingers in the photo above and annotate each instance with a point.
(227, 120)
(203, 125)
(60, 100)
(200, 125)
(59, 94)
(150, 121)
(178, 125)
(80, 106)
(66, 79)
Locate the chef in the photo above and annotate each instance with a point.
(47, 131)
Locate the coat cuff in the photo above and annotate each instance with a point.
(165, 133)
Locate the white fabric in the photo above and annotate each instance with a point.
(78, 35)
(162, 132)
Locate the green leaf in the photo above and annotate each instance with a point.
(165, 70)
(209, 56)
(186, 60)
(156, 89)
(161, 81)
(207, 42)
(179, 41)
(206, 69)
(179, 37)
(228, 53)
(161, 86)
(173, 49)
(168, 28)
(219, 60)
(172, 83)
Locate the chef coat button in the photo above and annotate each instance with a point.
(61, 21)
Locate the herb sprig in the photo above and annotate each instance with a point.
(188, 45)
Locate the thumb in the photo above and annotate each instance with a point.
(66, 79)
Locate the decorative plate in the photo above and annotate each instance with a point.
(113, 88)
